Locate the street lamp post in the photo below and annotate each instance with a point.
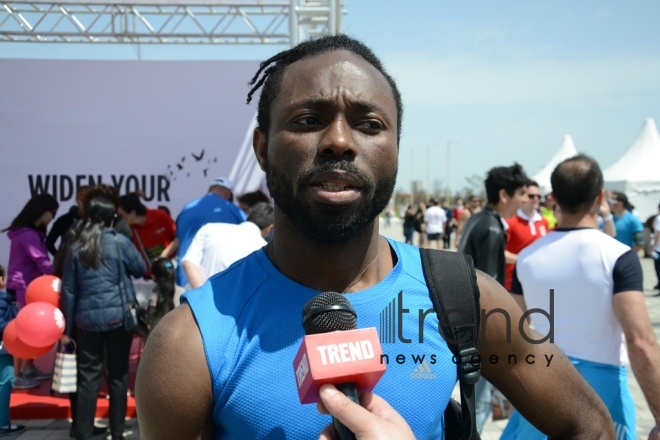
(412, 171)
(447, 190)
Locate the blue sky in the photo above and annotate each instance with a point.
(505, 80)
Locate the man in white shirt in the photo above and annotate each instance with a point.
(436, 222)
(217, 246)
(591, 285)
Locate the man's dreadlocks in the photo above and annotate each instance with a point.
(273, 69)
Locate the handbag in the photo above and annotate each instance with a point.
(65, 371)
(133, 323)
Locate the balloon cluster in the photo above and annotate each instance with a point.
(38, 325)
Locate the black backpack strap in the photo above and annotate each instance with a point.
(452, 283)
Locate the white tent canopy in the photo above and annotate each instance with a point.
(566, 150)
(636, 173)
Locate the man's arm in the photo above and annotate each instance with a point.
(510, 257)
(194, 274)
(56, 232)
(642, 346)
(487, 244)
(608, 218)
(542, 384)
(171, 249)
(173, 384)
(192, 260)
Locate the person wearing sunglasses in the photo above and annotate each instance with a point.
(524, 228)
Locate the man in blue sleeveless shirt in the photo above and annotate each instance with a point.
(220, 365)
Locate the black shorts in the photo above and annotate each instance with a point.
(435, 236)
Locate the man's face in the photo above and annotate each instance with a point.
(331, 152)
(616, 206)
(512, 203)
(533, 200)
(129, 217)
(475, 202)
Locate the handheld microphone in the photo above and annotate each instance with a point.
(335, 351)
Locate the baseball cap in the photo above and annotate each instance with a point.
(223, 181)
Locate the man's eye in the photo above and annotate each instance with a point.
(307, 120)
(372, 125)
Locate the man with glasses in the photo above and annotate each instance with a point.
(524, 228)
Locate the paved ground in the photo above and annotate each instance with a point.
(59, 429)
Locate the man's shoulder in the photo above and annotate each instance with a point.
(516, 222)
(157, 216)
(218, 228)
(244, 275)
(591, 240)
(202, 203)
(487, 220)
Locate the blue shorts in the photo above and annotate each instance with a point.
(611, 384)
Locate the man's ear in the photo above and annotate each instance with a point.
(601, 195)
(260, 146)
(504, 197)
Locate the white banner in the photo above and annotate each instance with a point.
(167, 128)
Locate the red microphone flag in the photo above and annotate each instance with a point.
(338, 357)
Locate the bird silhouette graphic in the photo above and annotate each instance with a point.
(198, 158)
(175, 170)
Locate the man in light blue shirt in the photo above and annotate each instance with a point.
(629, 229)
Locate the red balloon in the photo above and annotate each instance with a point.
(45, 288)
(39, 324)
(18, 348)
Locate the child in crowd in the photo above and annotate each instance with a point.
(8, 311)
(166, 293)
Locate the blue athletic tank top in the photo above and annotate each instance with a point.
(250, 318)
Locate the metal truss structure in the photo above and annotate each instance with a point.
(284, 22)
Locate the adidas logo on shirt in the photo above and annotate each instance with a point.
(423, 371)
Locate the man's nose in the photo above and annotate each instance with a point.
(337, 140)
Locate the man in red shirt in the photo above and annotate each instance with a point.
(524, 228)
(153, 230)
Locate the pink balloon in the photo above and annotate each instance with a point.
(45, 288)
(39, 324)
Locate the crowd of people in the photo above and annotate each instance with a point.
(330, 154)
(100, 248)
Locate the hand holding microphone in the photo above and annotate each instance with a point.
(374, 420)
(335, 352)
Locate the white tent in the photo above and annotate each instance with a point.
(637, 174)
(566, 150)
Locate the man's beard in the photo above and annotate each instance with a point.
(334, 225)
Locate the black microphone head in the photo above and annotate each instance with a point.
(328, 312)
